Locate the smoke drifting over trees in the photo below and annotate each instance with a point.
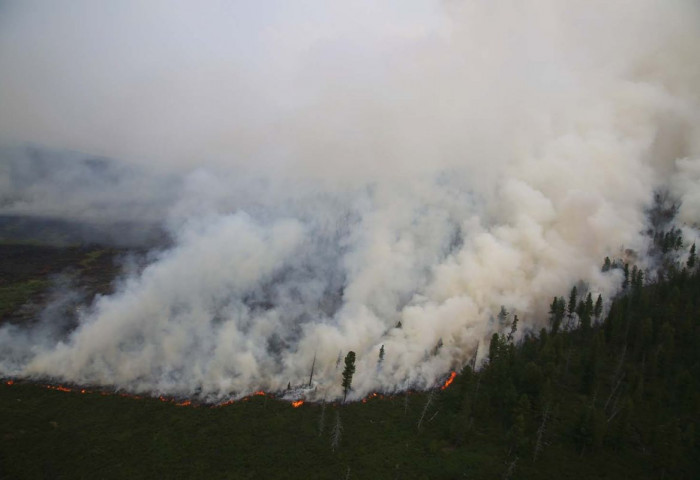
(328, 172)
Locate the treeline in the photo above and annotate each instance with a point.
(628, 384)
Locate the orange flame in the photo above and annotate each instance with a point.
(9, 383)
(59, 388)
(259, 393)
(449, 381)
(371, 396)
(186, 403)
(298, 403)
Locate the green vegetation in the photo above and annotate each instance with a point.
(348, 372)
(28, 273)
(617, 398)
(17, 294)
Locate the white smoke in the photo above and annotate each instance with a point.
(346, 169)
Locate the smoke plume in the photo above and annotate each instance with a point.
(341, 177)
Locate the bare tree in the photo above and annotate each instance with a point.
(425, 409)
(313, 364)
(337, 432)
(511, 469)
(340, 357)
(540, 434)
(322, 420)
(472, 362)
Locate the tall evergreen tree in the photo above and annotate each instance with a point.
(572, 301)
(494, 347)
(598, 308)
(556, 313)
(513, 329)
(348, 372)
(691, 257)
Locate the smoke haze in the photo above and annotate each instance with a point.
(327, 171)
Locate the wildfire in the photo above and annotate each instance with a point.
(371, 396)
(449, 381)
(9, 383)
(186, 403)
(58, 388)
(298, 403)
(259, 393)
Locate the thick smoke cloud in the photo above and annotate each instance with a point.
(330, 172)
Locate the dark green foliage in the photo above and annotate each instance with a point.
(669, 240)
(598, 308)
(348, 372)
(494, 347)
(572, 302)
(513, 329)
(556, 314)
(692, 258)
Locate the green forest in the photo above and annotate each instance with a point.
(591, 396)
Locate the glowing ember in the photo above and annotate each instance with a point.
(58, 388)
(449, 381)
(371, 396)
(298, 403)
(10, 383)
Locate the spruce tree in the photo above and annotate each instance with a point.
(572, 301)
(348, 372)
(691, 257)
(598, 309)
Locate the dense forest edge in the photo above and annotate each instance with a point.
(590, 396)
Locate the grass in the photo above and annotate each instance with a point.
(52, 434)
(14, 295)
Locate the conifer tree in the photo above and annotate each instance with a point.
(513, 329)
(494, 347)
(691, 257)
(589, 304)
(572, 301)
(598, 309)
(348, 372)
(556, 313)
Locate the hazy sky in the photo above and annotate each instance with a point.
(184, 83)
